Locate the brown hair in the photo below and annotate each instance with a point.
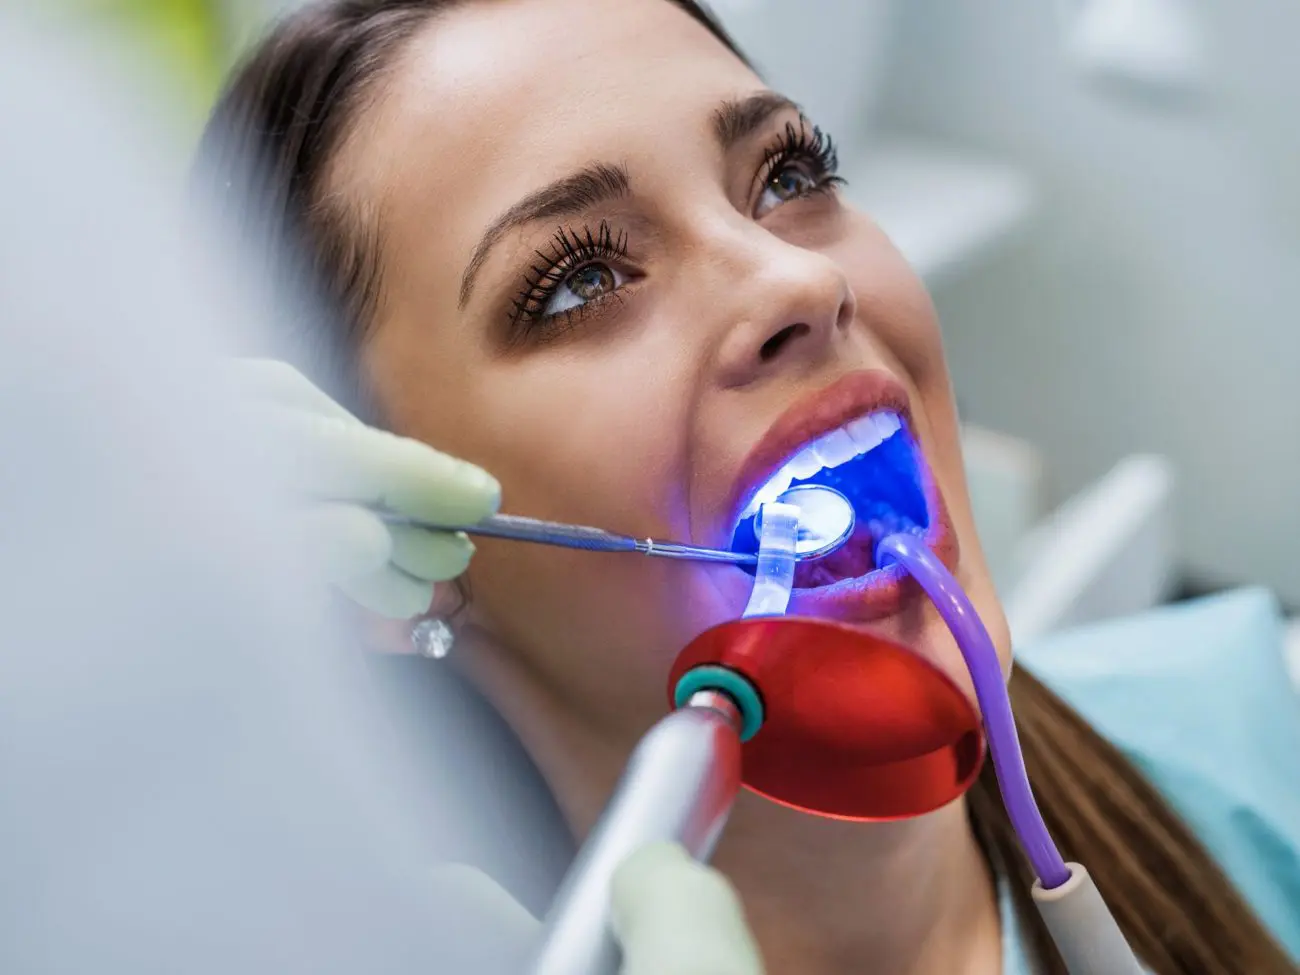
(1179, 911)
(289, 108)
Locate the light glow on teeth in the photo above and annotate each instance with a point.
(854, 439)
(887, 424)
(805, 464)
(864, 433)
(835, 448)
(769, 492)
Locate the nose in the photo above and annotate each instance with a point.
(785, 307)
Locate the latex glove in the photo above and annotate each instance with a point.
(673, 916)
(344, 468)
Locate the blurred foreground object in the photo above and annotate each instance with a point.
(186, 43)
(193, 777)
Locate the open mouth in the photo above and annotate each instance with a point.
(875, 462)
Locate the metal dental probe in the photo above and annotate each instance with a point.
(829, 525)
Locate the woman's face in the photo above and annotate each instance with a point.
(617, 277)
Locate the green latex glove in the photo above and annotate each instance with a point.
(678, 917)
(673, 916)
(344, 468)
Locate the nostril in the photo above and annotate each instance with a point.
(773, 346)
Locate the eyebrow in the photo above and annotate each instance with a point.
(738, 119)
(572, 194)
(733, 121)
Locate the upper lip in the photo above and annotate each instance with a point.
(853, 395)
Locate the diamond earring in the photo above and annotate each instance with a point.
(432, 637)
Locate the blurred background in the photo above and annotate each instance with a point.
(1104, 198)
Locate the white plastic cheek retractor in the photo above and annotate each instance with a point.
(774, 575)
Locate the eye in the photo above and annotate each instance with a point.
(579, 272)
(587, 283)
(789, 182)
(801, 162)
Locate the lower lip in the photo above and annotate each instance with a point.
(882, 592)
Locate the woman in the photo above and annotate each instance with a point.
(582, 247)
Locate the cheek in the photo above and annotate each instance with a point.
(592, 429)
(900, 317)
(894, 303)
(589, 438)
(900, 321)
(600, 629)
(572, 433)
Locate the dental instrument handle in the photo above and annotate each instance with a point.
(520, 529)
(1082, 927)
(679, 785)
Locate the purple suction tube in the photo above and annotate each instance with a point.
(990, 690)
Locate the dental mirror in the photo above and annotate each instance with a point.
(826, 520)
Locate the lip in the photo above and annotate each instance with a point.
(882, 592)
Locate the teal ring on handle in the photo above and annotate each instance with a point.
(711, 677)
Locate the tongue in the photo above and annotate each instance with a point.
(855, 558)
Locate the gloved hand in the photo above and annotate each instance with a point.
(673, 916)
(344, 468)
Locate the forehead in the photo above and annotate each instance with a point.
(497, 97)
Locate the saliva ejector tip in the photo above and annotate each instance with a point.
(774, 574)
(826, 520)
(805, 523)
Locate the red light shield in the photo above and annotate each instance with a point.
(855, 727)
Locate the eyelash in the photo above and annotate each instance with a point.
(798, 144)
(571, 252)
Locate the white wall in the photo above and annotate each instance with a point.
(828, 57)
(1156, 304)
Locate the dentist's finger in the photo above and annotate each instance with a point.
(430, 555)
(354, 462)
(677, 917)
(390, 593)
(345, 540)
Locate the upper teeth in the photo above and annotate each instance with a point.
(830, 450)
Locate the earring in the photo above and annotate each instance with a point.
(432, 637)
